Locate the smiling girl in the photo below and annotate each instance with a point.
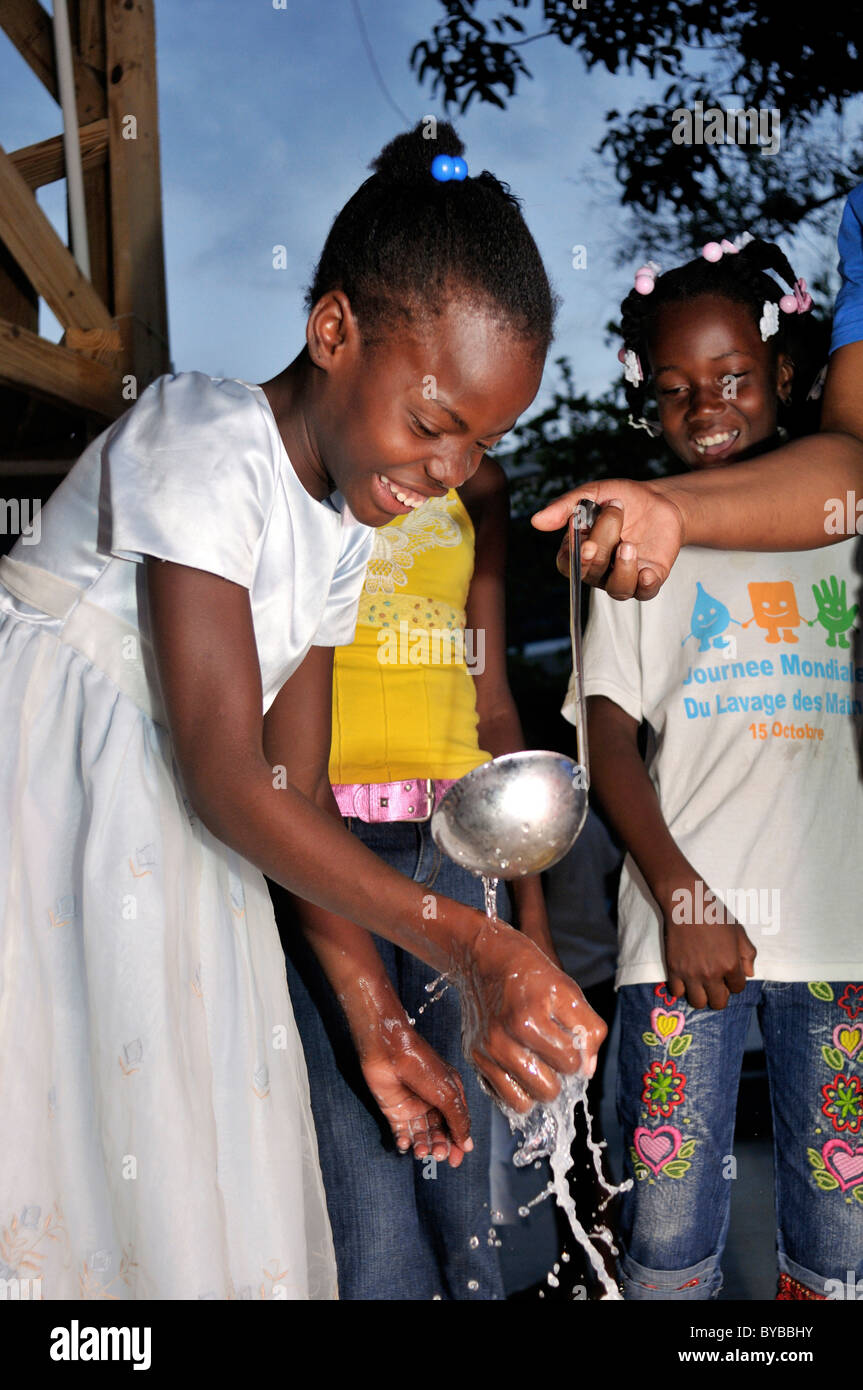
(165, 675)
(741, 888)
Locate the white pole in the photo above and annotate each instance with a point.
(71, 142)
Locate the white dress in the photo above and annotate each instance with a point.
(157, 1136)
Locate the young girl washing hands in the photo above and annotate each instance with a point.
(165, 676)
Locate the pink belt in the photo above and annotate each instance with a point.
(389, 801)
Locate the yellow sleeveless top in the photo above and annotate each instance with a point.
(404, 701)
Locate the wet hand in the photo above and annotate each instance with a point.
(419, 1095)
(524, 1022)
(634, 541)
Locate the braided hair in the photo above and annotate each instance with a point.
(742, 278)
(404, 241)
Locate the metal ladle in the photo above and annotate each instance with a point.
(522, 812)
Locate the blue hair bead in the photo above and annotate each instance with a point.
(459, 168)
(442, 168)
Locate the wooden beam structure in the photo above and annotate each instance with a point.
(136, 194)
(45, 161)
(43, 257)
(30, 28)
(115, 322)
(52, 371)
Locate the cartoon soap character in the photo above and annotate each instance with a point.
(834, 615)
(709, 620)
(774, 607)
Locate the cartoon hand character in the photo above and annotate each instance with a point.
(709, 620)
(834, 615)
(774, 607)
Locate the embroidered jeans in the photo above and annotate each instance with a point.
(678, 1078)
(403, 1229)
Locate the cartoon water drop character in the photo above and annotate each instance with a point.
(774, 607)
(709, 620)
(834, 615)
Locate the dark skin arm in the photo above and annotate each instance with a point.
(419, 1095)
(706, 962)
(776, 502)
(204, 644)
(486, 498)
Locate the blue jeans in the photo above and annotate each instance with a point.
(402, 1227)
(678, 1077)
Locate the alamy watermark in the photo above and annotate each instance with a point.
(21, 517)
(751, 907)
(732, 126)
(844, 517)
(419, 646)
(77, 1343)
(852, 1289)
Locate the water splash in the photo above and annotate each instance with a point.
(433, 986)
(490, 890)
(548, 1131)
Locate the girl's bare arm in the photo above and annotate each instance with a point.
(205, 650)
(786, 500)
(705, 962)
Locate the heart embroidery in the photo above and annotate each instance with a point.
(845, 1163)
(665, 1024)
(656, 1147)
(848, 1039)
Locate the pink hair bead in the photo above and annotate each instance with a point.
(712, 251)
(788, 304)
(644, 280)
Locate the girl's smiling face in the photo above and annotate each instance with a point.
(717, 383)
(410, 418)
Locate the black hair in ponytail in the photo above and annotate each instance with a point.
(404, 239)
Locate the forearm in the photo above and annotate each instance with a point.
(778, 502)
(307, 851)
(352, 964)
(623, 787)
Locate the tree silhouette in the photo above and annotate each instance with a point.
(803, 63)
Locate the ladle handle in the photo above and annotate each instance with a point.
(582, 519)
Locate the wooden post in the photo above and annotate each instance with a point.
(136, 195)
(87, 18)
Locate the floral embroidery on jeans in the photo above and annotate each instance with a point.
(661, 1151)
(669, 999)
(663, 1088)
(836, 1165)
(851, 1000)
(843, 1103)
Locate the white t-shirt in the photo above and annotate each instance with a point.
(753, 691)
(196, 473)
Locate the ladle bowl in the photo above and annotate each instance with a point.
(515, 815)
(520, 813)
